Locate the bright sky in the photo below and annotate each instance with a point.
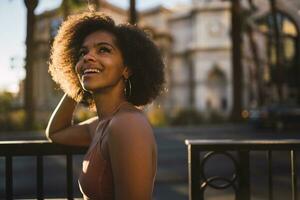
(13, 33)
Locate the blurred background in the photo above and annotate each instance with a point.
(214, 72)
(232, 70)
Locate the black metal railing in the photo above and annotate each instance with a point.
(39, 149)
(200, 151)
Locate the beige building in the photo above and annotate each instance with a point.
(201, 56)
(195, 42)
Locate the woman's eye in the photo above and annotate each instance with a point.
(104, 50)
(81, 53)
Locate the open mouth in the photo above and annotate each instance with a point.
(90, 71)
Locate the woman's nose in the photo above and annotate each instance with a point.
(90, 56)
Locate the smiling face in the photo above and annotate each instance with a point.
(100, 65)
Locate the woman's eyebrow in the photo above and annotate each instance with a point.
(104, 43)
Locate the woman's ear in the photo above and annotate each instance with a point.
(127, 72)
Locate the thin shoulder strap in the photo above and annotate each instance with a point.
(103, 131)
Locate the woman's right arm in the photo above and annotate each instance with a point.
(60, 128)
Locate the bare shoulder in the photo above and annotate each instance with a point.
(129, 126)
(132, 153)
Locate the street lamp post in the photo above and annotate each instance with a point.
(132, 12)
(237, 70)
(278, 50)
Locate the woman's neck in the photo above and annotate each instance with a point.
(107, 104)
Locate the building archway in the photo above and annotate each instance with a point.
(216, 98)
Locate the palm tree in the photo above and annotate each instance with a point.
(258, 66)
(65, 8)
(68, 5)
(29, 92)
(93, 5)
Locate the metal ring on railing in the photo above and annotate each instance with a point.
(226, 182)
(212, 180)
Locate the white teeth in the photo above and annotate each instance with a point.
(91, 71)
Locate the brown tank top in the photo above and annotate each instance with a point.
(96, 180)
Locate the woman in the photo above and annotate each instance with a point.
(113, 68)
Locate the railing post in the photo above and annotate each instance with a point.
(243, 192)
(270, 174)
(69, 169)
(40, 177)
(8, 177)
(294, 175)
(39, 149)
(195, 193)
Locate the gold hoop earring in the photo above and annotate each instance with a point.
(127, 88)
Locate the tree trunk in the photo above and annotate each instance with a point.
(132, 13)
(29, 89)
(297, 65)
(236, 36)
(278, 47)
(258, 68)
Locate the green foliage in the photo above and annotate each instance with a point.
(82, 113)
(74, 4)
(6, 99)
(11, 116)
(192, 117)
(216, 117)
(157, 116)
(15, 120)
(187, 117)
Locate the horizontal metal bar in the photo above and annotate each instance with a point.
(34, 148)
(234, 145)
(242, 142)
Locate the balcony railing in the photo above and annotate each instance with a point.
(39, 149)
(237, 152)
(199, 154)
